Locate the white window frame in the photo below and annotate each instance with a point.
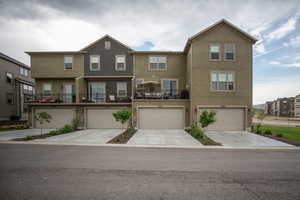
(116, 63)
(234, 52)
(11, 78)
(209, 52)
(98, 69)
(45, 90)
(72, 61)
(138, 79)
(157, 68)
(23, 71)
(118, 88)
(220, 72)
(168, 79)
(106, 46)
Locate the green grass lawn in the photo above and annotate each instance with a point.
(292, 133)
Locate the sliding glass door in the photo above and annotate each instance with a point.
(97, 92)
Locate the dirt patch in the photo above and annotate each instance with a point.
(281, 139)
(124, 137)
(33, 137)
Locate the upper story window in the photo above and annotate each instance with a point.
(68, 62)
(8, 77)
(121, 89)
(94, 62)
(120, 63)
(47, 89)
(222, 81)
(107, 45)
(229, 52)
(157, 62)
(214, 52)
(23, 71)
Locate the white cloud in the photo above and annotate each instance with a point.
(292, 65)
(293, 42)
(283, 30)
(259, 48)
(274, 62)
(269, 90)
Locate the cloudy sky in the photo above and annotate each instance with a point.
(32, 25)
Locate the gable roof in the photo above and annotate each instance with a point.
(106, 36)
(188, 43)
(5, 57)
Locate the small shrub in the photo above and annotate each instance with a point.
(54, 132)
(28, 137)
(75, 123)
(252, 128)
(279, 135)
(66, 129)
(196, 132)
(268, 132)
(258, 129)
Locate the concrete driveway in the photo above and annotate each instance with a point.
(175, 137)
(243, 139)
(10, 135)
(87, 136)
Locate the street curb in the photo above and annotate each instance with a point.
(153, 146)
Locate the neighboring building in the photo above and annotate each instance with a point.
(164, 89)
(285, 107)
(268, 108)
(16, 87)
(297, 106)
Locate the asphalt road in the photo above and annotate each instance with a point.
(82, 172)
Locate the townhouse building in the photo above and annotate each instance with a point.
(164, 89)
(281, 107)
(16, 88)
(297, 106)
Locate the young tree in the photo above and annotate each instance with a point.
(123, 116)
(207, 118)
(43, 117)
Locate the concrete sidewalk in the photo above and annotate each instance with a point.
(176, 137)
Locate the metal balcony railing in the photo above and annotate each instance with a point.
(53, 98)
(157, 93)
(111, 97)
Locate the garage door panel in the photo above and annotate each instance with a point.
(227, 120)
(60, 117)
(102, 118)
(161, 118)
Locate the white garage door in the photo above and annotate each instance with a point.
(161, 118)
(102, 118)
(227, 120)
(60, 117)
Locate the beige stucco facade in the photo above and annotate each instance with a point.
(201, 68)
(51, 65)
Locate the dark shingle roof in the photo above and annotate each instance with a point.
(5, 57)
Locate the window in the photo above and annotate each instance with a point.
(68, 62)
(157, 62)
(9, 77)
(169, 87)
(47, 89)
(297, 100)
(229, 50)
(94, 62)
(107, 44)
(139, 83)
(121, 89)
(10, 98)
(222, 81)
(214, 52)
(120, 63)
(25, 87)
(23, 71)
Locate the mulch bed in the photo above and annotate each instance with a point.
(281, 139)
(123, 138)
(33, 137)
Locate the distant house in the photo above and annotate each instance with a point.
(282, 107)
(297, 106)
(16, 85)
(268, 108)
